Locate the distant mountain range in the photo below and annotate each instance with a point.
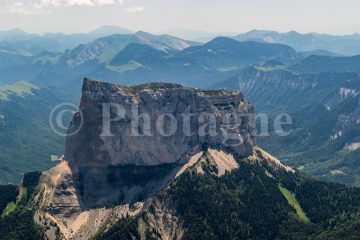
(160, 58)
(315, 43)
(319, 64)
(225, 52)
(309, 43)
(346, 45)
(52, 42)
(196, 35)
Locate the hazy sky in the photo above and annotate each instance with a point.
(324, 16)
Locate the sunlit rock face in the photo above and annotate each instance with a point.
(130, 141)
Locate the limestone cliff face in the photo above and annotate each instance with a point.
(89, 148)
(123, 165)
(107, 167)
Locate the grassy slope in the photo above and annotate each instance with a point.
(290, 197)
(9, 209)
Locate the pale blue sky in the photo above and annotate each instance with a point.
(324, 16)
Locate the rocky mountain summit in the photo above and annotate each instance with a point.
(158, 130)
(145, 107)
(119, 152)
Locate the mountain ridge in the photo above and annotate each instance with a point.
(324, 111)
(346, 44)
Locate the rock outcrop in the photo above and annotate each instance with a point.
(108, 166)
(130, 141)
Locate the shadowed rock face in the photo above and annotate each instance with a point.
(98, 161)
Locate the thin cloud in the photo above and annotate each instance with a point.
(44, 6)
(93, 2)
(135, 9)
